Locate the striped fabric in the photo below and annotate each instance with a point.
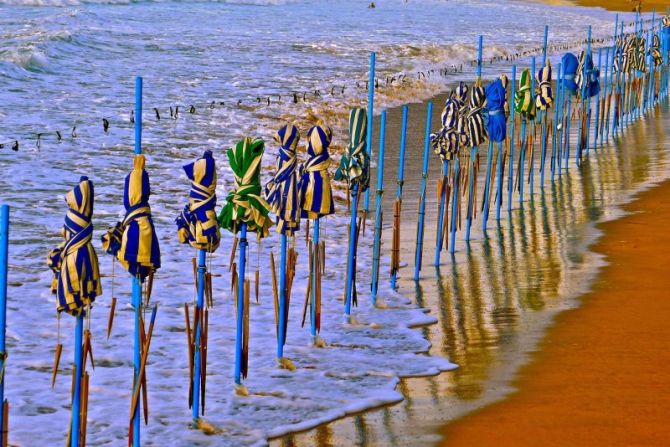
(640, 63)
(544, 96)
(355, 163)
(74, 263)
(523, 98)
(619, 54)
(656, 55)
(197, 224)
(445, 142)
(666, 21)
(505, 83)
(475, 118)
(495, 104)
(133, 241)
(281, 192)
(245, 204)
(587, 76)
(570, 66)
(314, 189)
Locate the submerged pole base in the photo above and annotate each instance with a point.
(317, 342)
(285, 363)
(206, 427)
(241, 390)
(380, 303)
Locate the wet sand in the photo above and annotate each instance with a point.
(600, 375)
(625, 5)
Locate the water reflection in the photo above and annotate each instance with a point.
(496, 295)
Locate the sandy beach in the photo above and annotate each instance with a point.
(598, 377)
(625, 5)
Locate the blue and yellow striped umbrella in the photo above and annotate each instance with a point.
(355, 163)
(316, 194)
(281, 192)
(245, 204)
(74, 263)
(544, 96)
(197, 224)
(495, 105)
(133, 241)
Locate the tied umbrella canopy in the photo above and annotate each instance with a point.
(505, 82)
(495, 104)
(281, 192)
(355, 164)
(475, 118)
(245, 204)
(656, 50)
(640, 62)
(523, 99)
(445, 141)
(460, 95)
(74, 263)
(587, 76)
(570, 66)
(133, 241)
(544, 96)
(196, 224)
(315, 191)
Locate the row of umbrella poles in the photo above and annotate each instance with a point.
(303, 191)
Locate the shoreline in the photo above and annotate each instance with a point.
(598, 373)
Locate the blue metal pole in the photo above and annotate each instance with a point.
(312, 318)
(560, 118)
(473, 150)
(240, 303)
(348, 290)
(136, 285)
(566, 132)
(4, 245)
(611, 70)
(371, 102)
(76, 398)
(401, 171)
(422, 201)
(487, 186)
(378, 210)
(588, 100)
(557, 107)
(281, 336)
(544, 46)
(198, 331)
(454, 210)
(499, 176)
(510, 176)
(580, 148)
(522, 156)
(618, 101)
(595, 135)
(440, 219)
(606, 102)
(531, 168)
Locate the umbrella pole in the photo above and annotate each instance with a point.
(371, 103)
(566, 133)
(499, 180)
(605, 106)
(378, 210)
(471, 176)
(202, 255)
(544, 114)
(487, 187)
(401, 179)
(595, 123)
(522, 156)
(313, 280)
(136, 284)
(4, 243)
(76, 397)
(352, 254)
(531, 168)
(554, 133)
(440, 220)
(510, 176)
(422, 201)
(240, 302)
(454, 207)
(281, 335)
(611, 70)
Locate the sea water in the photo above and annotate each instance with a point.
(67, 65)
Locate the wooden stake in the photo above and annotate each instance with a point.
(245, 338)
(190, 355)
(142, 372)
(231, 263)
(59, 350)
(110, 319)
(5, 424)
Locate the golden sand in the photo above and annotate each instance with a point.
(600, 375)
(626, 5)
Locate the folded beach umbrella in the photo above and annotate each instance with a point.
(197, 224)
(570, 65)
(315, 190)
(523, 98)
(461, 97)
(505, 82)
(76, 285)
(619, 54)
(245, 204)
(74, 262)
(133, 241)
(445, 141)
(544, 95)
(355, 163)
(656, 50)
(281, 192)
(475, 117)
(587, 76)
(495, 105)
(640, 63)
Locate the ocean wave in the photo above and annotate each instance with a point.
(64, 3)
